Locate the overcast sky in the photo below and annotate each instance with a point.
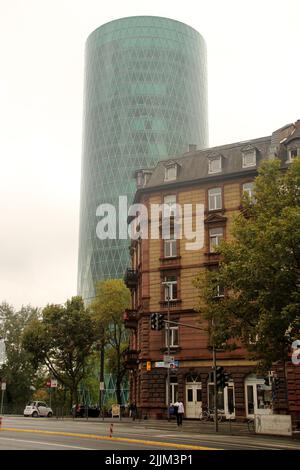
(253, 78)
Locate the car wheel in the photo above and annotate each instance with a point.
(35, 414)
(49, 415)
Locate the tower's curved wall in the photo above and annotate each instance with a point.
(145, 99)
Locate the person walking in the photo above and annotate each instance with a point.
(133, 411)
(180, 412)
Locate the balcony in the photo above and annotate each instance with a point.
(131, 278)
(131, 358)
(130, 318)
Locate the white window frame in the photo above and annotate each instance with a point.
(174, 334)
(214, 196)
(219, 292)
(246, 156)
(171, 246)
(171, 172)
(173, 395)
(218, 237)
(218, 168)
(169, 205)
(249, 191)
(169, 288)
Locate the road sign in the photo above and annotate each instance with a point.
(174, 365)
(3, 386)
(101, 386)
(53, 383)
(48, 383)
(168, 358)
(160, 364)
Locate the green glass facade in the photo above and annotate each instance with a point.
(145, 99)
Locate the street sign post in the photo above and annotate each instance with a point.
(101, 386)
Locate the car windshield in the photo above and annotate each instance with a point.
(30, 403)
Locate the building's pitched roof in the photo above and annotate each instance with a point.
(194, 165)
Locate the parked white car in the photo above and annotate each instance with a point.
(38, 408)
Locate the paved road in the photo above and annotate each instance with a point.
(48, 434)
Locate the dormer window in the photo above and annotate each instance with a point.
(214, 164)
(293, 152)
(249, 156)
(171, 170)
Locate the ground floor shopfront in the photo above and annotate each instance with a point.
(246, 395)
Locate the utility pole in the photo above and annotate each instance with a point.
(168, 346)
(101, 373)
(215, 389)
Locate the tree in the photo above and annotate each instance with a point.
(260, 270)
(62, 341)
(18, 372)
(112, 298)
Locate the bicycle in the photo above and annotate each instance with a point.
(209, 415)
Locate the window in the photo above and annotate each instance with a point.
(248, 188)
(214, 199)
(215, 237)
(173, 391)
(215, 165)
(170, 201)
(173, 336)
(171, 172)
(293, 153)
(170, 247)
(219, 291)
(249, 158)
(170, 287)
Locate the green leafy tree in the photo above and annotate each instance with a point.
(21, 377)
(62, 341)
(112, 298)
(259, 271)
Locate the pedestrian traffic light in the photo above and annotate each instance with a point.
(148, 365)
(153, 321)
(160, 321)
(219, 374)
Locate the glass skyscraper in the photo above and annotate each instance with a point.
(145, 99)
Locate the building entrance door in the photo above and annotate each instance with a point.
(193, 402)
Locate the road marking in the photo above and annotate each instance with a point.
(111, 439)
(45, 443)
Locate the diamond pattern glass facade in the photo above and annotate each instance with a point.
(145, 99)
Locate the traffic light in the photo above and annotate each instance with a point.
(148, 366)
(224, 379)
(219, 373)
(153, 321)
(157, 321)
(160, 321)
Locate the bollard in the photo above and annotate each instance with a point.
(111, 429)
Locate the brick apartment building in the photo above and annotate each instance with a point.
(215, 177)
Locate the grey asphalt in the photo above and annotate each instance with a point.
(163, 433)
